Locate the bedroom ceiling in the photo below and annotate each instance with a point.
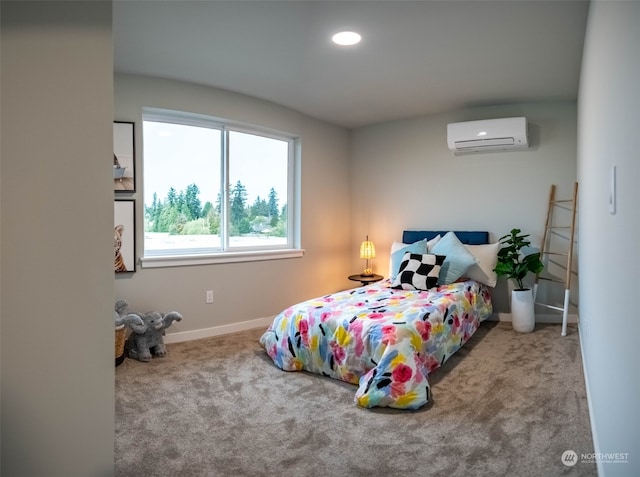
(415, 58)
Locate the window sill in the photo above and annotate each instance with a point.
(227, 257)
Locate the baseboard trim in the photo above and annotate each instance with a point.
(540, 318)
(594, 433)
(217, 330)
(266, 321)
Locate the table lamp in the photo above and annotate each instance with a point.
(367, 251)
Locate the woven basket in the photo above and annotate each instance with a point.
(121, 337)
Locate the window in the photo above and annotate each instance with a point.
(216, 191)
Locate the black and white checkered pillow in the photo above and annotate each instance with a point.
(418, 271)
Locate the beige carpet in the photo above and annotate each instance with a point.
(506, 404)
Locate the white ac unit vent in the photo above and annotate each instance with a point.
(488, 135)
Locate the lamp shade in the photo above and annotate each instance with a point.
(367, 249)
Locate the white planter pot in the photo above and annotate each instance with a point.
(523, 317)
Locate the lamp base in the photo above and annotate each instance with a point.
(367, 272)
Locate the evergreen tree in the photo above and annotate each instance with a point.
(273, 204)
(238, 202)
(157, 211)
(284, 218)
(151, 210)
(206, 210)
(245, 226)
(182, 213)
(168, 215)
(192, 201)
(171, 196)
(214, 222)
(259, 208)
(150, 213)
(273, 207)
(181, 206)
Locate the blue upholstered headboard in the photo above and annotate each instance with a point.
(470, 238)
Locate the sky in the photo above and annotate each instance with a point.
(187, 155)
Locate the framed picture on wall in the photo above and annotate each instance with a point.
(124, 236)
(124, 172)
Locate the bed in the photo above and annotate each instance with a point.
(387, 337)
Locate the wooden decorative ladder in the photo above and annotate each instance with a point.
(547, 251)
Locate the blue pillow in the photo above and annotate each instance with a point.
(419, 247)
(458, 260)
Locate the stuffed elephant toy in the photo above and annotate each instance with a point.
(146, 337)
(121, 315)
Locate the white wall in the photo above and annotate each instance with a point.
(56, 213)
(403, 176)
(609, 119)
(249, 290)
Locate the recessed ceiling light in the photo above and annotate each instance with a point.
(346, 38)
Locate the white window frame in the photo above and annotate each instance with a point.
(227, 253)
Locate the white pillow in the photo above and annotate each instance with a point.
(432, 242)
(482, 271)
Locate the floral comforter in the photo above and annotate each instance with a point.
(386, 341)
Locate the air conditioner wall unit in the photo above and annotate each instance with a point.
(488, 135)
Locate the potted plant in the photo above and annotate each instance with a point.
(515, 263)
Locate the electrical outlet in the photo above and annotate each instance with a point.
(209, 296)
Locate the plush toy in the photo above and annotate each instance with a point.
(121, 315)
(123, 321)
(146, 338)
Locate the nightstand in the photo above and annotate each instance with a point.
(366, 279)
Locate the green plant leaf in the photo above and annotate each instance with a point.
(511, 263)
